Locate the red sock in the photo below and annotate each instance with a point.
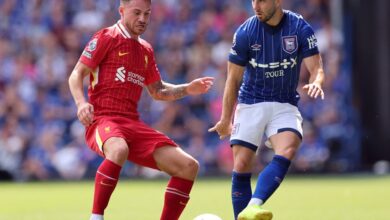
(105, 181)
(176, 198)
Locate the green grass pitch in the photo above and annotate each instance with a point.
(298, 198)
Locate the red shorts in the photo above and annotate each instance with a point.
(141, 139)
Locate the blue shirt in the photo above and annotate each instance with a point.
(272, 57)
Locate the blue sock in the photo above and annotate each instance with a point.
(241, 191)
(271, 177)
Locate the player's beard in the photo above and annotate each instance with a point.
(135, 29)
(268, 16)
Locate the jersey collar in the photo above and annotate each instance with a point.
(278, 26)
(123, 30)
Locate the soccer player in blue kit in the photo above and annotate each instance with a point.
(262, 78)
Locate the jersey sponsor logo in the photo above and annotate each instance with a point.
(273, 65)
(120, 53)
(274, 74)
(312, 41)
(122, 75)
(92, 45)
(256, 47)
(107, 129)
(290, 44)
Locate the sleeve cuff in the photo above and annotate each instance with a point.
(310, 53)
(237, 61)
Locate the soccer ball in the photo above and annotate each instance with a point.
(207, 216)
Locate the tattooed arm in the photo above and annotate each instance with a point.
(161, 90)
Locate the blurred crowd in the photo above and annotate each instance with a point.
(41, 41)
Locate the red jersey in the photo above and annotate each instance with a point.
(121, 67)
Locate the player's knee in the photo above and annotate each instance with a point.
(190, 168)
(193, 166)
(241, 165)
(116, 151)
(187, 170)
(287, 152)
(120, 154)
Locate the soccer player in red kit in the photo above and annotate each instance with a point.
(120, 64)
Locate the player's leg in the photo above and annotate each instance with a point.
(285, 145)
(183, 170)
(241, 177)
(153, 149)
(284, 130)
(248, 129)
(116, 152)
(241, 186)
(104, 137)
(285, 134)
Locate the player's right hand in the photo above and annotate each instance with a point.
(85, 113)
(314, 90)
(223, 128)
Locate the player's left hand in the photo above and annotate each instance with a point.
(200, 85)
(314, 90)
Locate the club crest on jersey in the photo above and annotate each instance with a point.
(290, 44)
(92, 45)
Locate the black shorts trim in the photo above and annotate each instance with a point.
(243, 143)
(292, 130)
